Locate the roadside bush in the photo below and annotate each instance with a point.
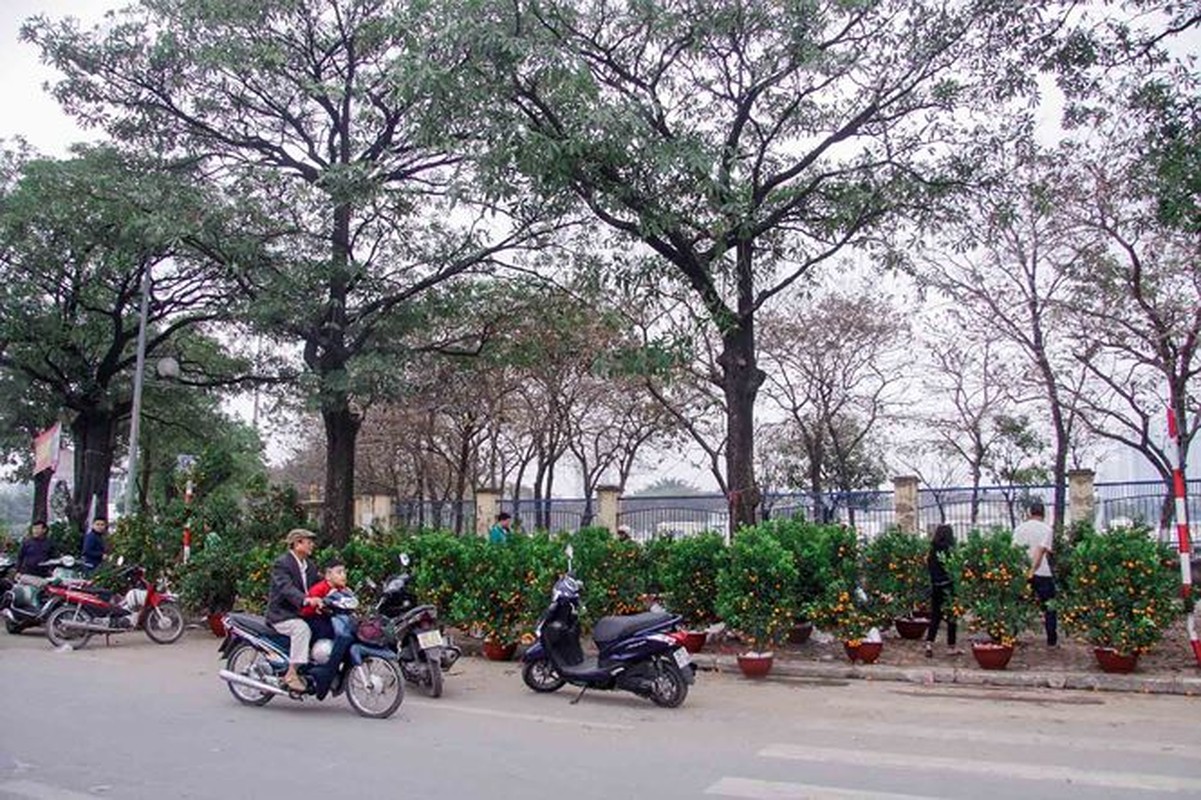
(991, 589)
(612, 571)
(690, 577)
(755, 588)
(894, 572)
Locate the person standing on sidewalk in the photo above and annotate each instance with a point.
(1036, 535)
(941, 589)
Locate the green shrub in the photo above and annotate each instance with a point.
(755, 588)
(613, 573)
(690, 577)
(822, 555)
(895, 573)
(1126, 591)
(502, 585)
(439, 568)
(209, 581)
(991, 589)
(656, 556)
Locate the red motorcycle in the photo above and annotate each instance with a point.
(88, 610)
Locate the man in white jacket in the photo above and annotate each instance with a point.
(1036, 535)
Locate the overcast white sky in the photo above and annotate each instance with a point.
(28, 110)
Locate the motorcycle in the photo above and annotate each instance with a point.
(424, 649)
(84, 611)
(356, 661)
(29, 600)
(639, 653)
(8, 568)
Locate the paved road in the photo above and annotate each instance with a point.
(137, 720)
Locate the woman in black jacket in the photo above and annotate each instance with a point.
(940, 589)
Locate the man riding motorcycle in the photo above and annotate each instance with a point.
(291, 576)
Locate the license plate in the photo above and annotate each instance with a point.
(681, 656)
(428, 639)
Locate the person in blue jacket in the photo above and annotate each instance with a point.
(93, 544)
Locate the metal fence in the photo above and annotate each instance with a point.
(869, 512)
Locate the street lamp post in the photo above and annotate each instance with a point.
(136, 412)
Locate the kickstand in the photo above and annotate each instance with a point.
(578, 696)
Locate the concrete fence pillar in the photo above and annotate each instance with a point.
(904, 502)
(487, 506)
(608, 503)
(1082, 498)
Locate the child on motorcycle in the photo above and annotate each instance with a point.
(323, 626)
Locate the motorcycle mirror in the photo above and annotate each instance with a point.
(120, 561)
(404, 559)
(67, 561)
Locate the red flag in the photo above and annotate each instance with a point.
(46, 447)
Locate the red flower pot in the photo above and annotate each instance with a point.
(755, 666)
(912, 627)
(800, 632)
(694, 641)
(496, 651)
(1113, 661)
(217, 624)
(865, 652)
(990, 655)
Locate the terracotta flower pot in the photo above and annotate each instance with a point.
(990, 655)
(217, 624)
(694, 641)
(497, 651)
(864, 652)
(800, 632)
(755, 665)
(912, 627)
(1113, 661)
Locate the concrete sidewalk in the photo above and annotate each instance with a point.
(967, 675)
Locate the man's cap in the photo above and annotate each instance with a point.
(296, 534)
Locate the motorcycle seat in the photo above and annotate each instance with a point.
(257, 625)
(610, 629)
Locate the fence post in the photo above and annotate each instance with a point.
(904, 502)
(487, 506)
(1081, 496)
(608, 500)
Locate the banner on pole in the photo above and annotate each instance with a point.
(46, 448)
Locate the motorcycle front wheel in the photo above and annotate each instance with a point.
(244, 660)
(60, 635)
(375, 688)
(541, 676)
(668, 687)
(13, 627)
(164, 623)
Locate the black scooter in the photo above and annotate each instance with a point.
(424, 649)
(640, 653)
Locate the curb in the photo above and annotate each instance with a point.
(926, 676)
(1142, 684)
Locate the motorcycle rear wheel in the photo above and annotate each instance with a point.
(668, 687)
(375, 688)
(164, 624)
(59, 636)
(241, 661)
(541, 676)
(434, 684)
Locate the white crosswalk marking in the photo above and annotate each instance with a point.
(993, 737)
(778, 790)
(992, 769)
(40, 791)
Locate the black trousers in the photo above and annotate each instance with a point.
(939, 599)
(1044, 589)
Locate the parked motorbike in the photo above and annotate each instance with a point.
(639, 653)
(359, 663)
(29, 601)
(8, 570)
(424, 649)
(84, 611)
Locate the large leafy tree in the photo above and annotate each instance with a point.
(746, 142)
(78, 240)
(332, 116)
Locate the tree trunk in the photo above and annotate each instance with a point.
(341, 431)
(41, 496)
(94, 432)
(741, 379)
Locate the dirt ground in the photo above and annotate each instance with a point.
(1171, 656)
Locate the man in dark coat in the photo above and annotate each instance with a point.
(291, 576)
(35, 549)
